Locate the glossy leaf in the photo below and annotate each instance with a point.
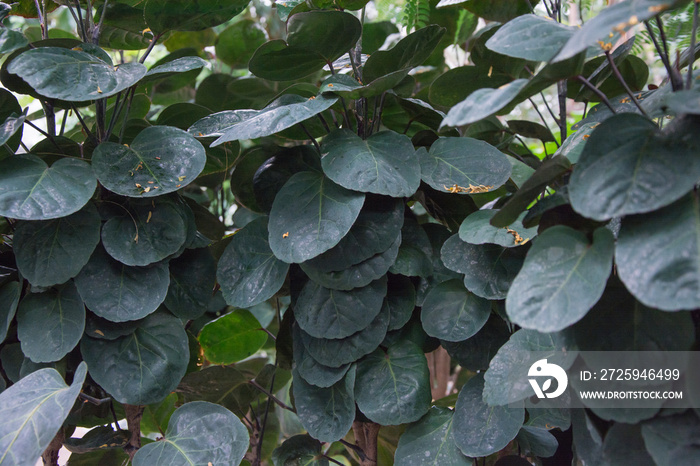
(563, 276)
(671, 440)
(628, 167)
(178, 65)
(430, 441)
(48, 69)
(160, 160)
(328, 33)
(50, 324)
(393, 386)
(33, 410)
(192, 279)
(311, 370)
(452, 313)
(657, 253)
(326, 313)
(476, 352)
(384, 163)
(483, 103)
(142, 367)
(499, 10)
(457, 84)
(276, 61)
(466, 163)
(11, 125)
(184, 15)
(310, 215)
(53, 251)
(232, 337)
(537, 441)
(400, 301)
(9, 297)
(31, 190)
(530, 37)
(480, 429)
(477, 229)
(326, 413)
(236, 44)
(624, 444)
(198, 433)
(11, 40)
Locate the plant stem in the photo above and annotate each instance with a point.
(272, 397)
(596, 91)
(691, 57)
(622, 81)
(82, 23)
(561, 88)
(318, 148)
(98, 29)
(133, 421)
(664, 58)
(82, 123)
(154, 40)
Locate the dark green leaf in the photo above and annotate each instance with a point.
(216, 384)
(178, 65)
(537, 441)
(575, 143)
(237, 43)
(629, 167)
(277, 61)
(9, 297)
(430, 441)
(48, 69)
(483, 103)
(100, 438)
(464, 162)
(500, 10)
(672, 440)
(192, 279)
(400, 301)
(50, 324)
(311, 370)
(11, 40)
(160, 160)
(563, 276)
(393, 387)
(31, 190)
(415, 251)
(310, 215)
(326, 313)
(457, 84)
(11, 125)
(476, 353)
(232, 337)
(248, 272)
(452, 313)
(530, 129)
(185, 15)
(326, 413)
(623, 444)
(299, 449)
(198, 433)
(657, 253)
(330, 33)
(480, 429)
(385, 163)
(477, 229)
(143, 367)
(530, 37)
(53, 251)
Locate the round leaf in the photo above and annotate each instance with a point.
(237, 43)
(160, 160)
(310, 215)
(50, 324)
(393, 387)
(299, 449)
(232, 337)
(562, 278)
(480, 429)
(119, 292)
(477, 229)
(385, 163)
(311, 370)
(143, 367)
(657, 256)
(192, 279)
(483, 103)
(400, 301)
(276, 61)
(31, 190)
(623, 444)
(452, 313)
(198, 433)
(530, 37)
(9, 297)
(185, 15)
(53, 251)
(456, 84)
(328, 33)
(629, 167)
(248, 272)
(326, 313)
(671, 440)
(475, 353)
(464, 162)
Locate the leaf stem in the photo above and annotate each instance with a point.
(154, 40)
(622, 81)
(561, 90)
(596, 91)
(270, 396)
(663, 56)
(691, 50)
(98, 29)
(310, 137)
(82, 123)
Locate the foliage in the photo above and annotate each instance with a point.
(253, 251)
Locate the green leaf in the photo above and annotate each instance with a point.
(477, 229)
(530, 37)
(161, 159)
(9, 109)
(623, 444)
(430, 441)
(506, 381)
(500, 10)
(326, 313)
(400, 301)
(216, 384)
(537, 441)
(32, 412)
(173, 67)
(671, 440)
(574, 145)
(53, 251)
(277, 61)
(464, 162)
(393, 385)
(31, 190)
(192, 279)
(50, 324)
(48, 69)
(340, 351)
(10, 126)
(232, 337)
(310, 215)
(11, 40)
(146, 231)
(328, 33)
(563, 276)
(657, 256)
(615, 18)
(9, 297)
(475, 353)
(185, 15)
(119, 292)
(480, 429)
(142, 367)
(283, 113)
(415, 251)
(384, 163)
(629, 167)
(248, 272)
(326, 413)
(237, 43)
(311, 370)
(457, 84)
(198, 433)
(452, 313)
(483, 103)
(299, 449)
(99, 438)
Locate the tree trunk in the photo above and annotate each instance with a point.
(134, 414)
(366, 434)
(50, 455)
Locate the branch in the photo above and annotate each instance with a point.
(597, 92)
(264, 391)
(624, 83)
(691, 57)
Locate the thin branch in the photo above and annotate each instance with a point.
(549, 109)
(561, 91)
(381, 110)
(324, 123)
(116, 111)
(310, 137)
(622, 81)
(355, 448)
(130, 98)
(596, 91)
(154, 40)
(691, 57)
(63, 123)
(664, 57)
(98, 29)
(544, 122)
(272, 397)
(272, 335)
(82, 123)
(82, 24)
(332, 460)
